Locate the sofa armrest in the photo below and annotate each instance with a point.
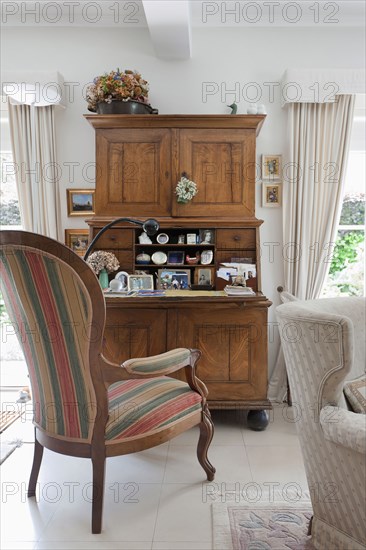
(344, 428)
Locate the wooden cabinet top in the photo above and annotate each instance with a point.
(180, 299)
(244, 122)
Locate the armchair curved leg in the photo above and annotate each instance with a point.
(37, 460)
(98, 463)
(206, 435)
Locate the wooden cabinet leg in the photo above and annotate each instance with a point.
(257, 420)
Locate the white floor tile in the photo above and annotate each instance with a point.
(23, 520)
(91, 545)
(143, 467)
(231, 464)
(173, 508)
(127, 516)
(186, 545)
(281, 430)
(17, 545)
(277, 464)
(22, 429)
(183, 515)
(189, 437)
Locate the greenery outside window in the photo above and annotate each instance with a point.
(347, 269)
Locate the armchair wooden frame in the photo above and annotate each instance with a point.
(103, 374)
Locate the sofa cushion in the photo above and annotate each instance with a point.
(355, 392)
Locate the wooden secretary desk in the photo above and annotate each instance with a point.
(140, 159)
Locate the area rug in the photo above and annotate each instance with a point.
(262, 526)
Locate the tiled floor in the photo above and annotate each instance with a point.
(156, 499)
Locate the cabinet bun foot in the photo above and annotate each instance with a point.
(257, 420)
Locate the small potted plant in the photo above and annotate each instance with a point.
(103, 263)
(119, 92)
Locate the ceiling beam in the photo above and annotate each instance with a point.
(169, 23)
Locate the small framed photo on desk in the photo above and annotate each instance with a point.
(204, 276)
(191, 238)
(140, 282)
(174, 279)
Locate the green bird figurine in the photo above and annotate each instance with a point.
(233, 108)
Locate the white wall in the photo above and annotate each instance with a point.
(223, 56)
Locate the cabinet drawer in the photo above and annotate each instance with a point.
(115, 238)
(236, 238)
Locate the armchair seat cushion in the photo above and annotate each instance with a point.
(143, 407)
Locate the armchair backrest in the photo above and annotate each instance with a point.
(326, 340)
(57, 308)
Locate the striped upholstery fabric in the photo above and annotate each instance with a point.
(157, 364)
(141, 407)
(50, 310)
(323, 343)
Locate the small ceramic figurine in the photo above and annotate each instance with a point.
(144, 238)
(234, 108)
(252, 109)
(239, 280)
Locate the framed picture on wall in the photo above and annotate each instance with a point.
(77, 240)
(80, 202)
(271, 194)
(271, 167)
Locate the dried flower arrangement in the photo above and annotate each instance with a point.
(103, 260)
(185, 190)
(122, 85)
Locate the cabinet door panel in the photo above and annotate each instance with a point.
(233, 345)
(220, 163)
(133, 172)
(134, 333)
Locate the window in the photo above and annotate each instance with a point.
(13, 367)
(9, 204)
(346, 274)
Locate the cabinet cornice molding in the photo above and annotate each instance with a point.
(243, 122)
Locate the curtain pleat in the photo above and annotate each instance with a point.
(319, 138)
(32, 131)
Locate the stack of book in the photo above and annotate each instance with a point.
(238, 290)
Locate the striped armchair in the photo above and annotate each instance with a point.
(324, 346)
(84, 405)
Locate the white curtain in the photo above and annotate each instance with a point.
(32, 131)
(319, 136)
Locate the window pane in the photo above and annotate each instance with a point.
(9, 204)
(346, 274)
(353, 210)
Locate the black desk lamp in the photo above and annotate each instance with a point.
(150, 226)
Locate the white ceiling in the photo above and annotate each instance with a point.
(170, 21)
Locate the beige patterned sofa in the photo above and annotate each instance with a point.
(324, 346)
